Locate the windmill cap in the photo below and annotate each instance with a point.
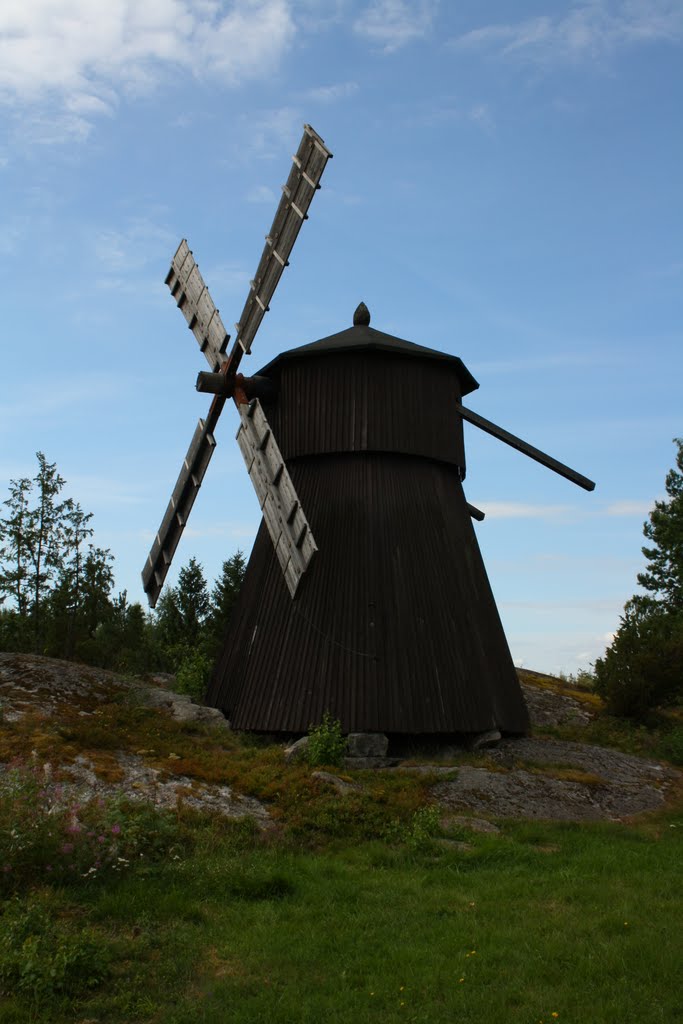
(362, 336)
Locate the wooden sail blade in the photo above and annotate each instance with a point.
(184, 493)
(525, 448)
(187, 287)
(287, 525)
(308, 165)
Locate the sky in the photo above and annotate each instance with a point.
(507, 186)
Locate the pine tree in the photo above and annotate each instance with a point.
(44, 537)
(641, 669)
(14, 549)
(224, 595)
(182, 611)
(59, 588)
(664, 574)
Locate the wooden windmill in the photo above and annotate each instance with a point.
(392, 627)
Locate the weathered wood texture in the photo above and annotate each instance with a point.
(285, 521)
(187, 287)
(308, 165)
(178, 509)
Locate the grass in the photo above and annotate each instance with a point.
(580, 921)
(350, 910)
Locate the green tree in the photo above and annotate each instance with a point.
(67, 598)
(664, 574)
(58, 582)
(44, 538)
(183, 610)
(641, 669)
(14, 551)
(224, 596)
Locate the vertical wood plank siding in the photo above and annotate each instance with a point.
(343, 402)
(394, 627)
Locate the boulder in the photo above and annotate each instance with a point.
(483, 740)
(296, 750)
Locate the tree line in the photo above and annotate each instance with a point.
(57, 592)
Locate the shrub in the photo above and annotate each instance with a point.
(641, 670)
(192, 675)
(47, 835)
(326, 743)
(41, 958)
(672, 745)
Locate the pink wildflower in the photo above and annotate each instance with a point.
(68, 848)
(116, 829)
(100, 839)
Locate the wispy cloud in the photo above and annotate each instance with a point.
(132, 248)
(588, 31)
(97, 491)
(391, 24)
(263, 135)
(629, 508)
(261, 194)
(63, 394)
(332, 93)
(519, 510)
(81, 54)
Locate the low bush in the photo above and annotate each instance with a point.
(326, 743)
(41, 957)
(192, 675)
(48, 835)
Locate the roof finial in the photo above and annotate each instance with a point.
(361, 318)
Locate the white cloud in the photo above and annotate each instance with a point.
(519, 510)
(392, 24)
(629, 508)
(264, 135)
(83, 53)
(67, 393)
(332, 93)
(261, 194)
(134, 247)
(589, 31)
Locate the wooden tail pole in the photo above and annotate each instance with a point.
(525, 448)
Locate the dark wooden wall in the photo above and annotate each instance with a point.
(365, 401)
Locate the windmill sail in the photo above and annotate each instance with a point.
(187, 287)
(292, 539)
(287, 525)
(308, 165)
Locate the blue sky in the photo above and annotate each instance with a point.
(507, 186)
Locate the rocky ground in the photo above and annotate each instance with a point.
(535, 777)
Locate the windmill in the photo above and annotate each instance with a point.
(393, 626)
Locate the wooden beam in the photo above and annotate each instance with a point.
(525, 448)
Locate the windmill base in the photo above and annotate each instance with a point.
(394, 628)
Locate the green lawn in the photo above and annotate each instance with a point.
(582, 922)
